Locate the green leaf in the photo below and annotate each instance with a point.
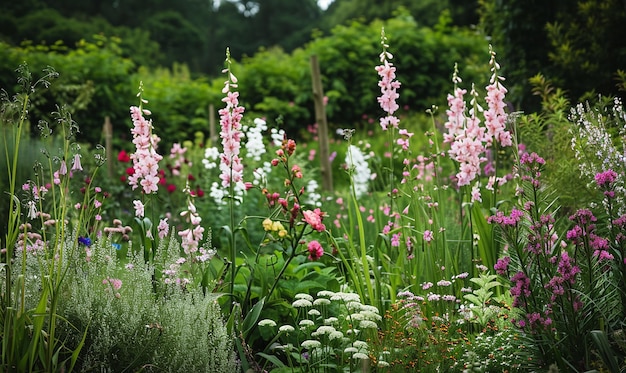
(252, 318)
(272, 359)
(606, 352)
(308, 265)
(304, 286)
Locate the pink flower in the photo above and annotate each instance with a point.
(315, 250)
(163, 228)
(63, 168)
(139, 208)
(428, 235)
(145, 159)
(76, 166)
(314, 218)
(230, 122)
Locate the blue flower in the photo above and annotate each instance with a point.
(85, 241)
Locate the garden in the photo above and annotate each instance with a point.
(455, 237)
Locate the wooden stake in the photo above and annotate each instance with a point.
(108, 144)
(322, 125)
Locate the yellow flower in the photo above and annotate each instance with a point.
(267, 224)
(277, 226)
(282, 233)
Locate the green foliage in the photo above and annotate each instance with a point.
(95, 82)
(575, 44)
(131, 326)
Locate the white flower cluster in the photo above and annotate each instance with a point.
(255, 147)
(329, 327)
(594, 147)
(312, 198)
(356, 161)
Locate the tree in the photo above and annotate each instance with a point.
(578, 45)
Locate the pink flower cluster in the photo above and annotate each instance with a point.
(469, 140)
(314, 218)
(230, 122)
(495, 116)
(389, 94)
(145, 159)
(191, 236)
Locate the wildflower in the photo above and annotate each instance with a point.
(315, 250)
(123, 157)
(86, 241)
(495, 116)
(63, 168)
(76, 166)
(286, 329)
(304, 296)
(145, 159)
(163, 228)
(139, 208)
(310, 344)
(267, 322)
(314, 218)
(502, 265)
(428, 235)
(255, 147)
(300, 303)
(230, 122)
(32, 210)
(356, 161)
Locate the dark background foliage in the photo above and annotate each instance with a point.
(102, 50)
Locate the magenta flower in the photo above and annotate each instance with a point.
(604, 179)
(315, 250)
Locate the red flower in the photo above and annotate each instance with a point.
(130, 171)
(171, 188)
(123, 157)
(200, 192)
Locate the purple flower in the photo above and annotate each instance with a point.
(84, 241)
(604, 179)
(502, 265)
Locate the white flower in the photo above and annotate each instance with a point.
(324, 329)
(267, 322)
(304, 296)
(325, 293)
(305, 323)
(367, 324)
(360, 355)
(301, 303)
(335, 335)
(32, 210)
(321, 302)
(357, 161)
(330, 320)
(310, 344)
(314, 312)
(286, 329)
